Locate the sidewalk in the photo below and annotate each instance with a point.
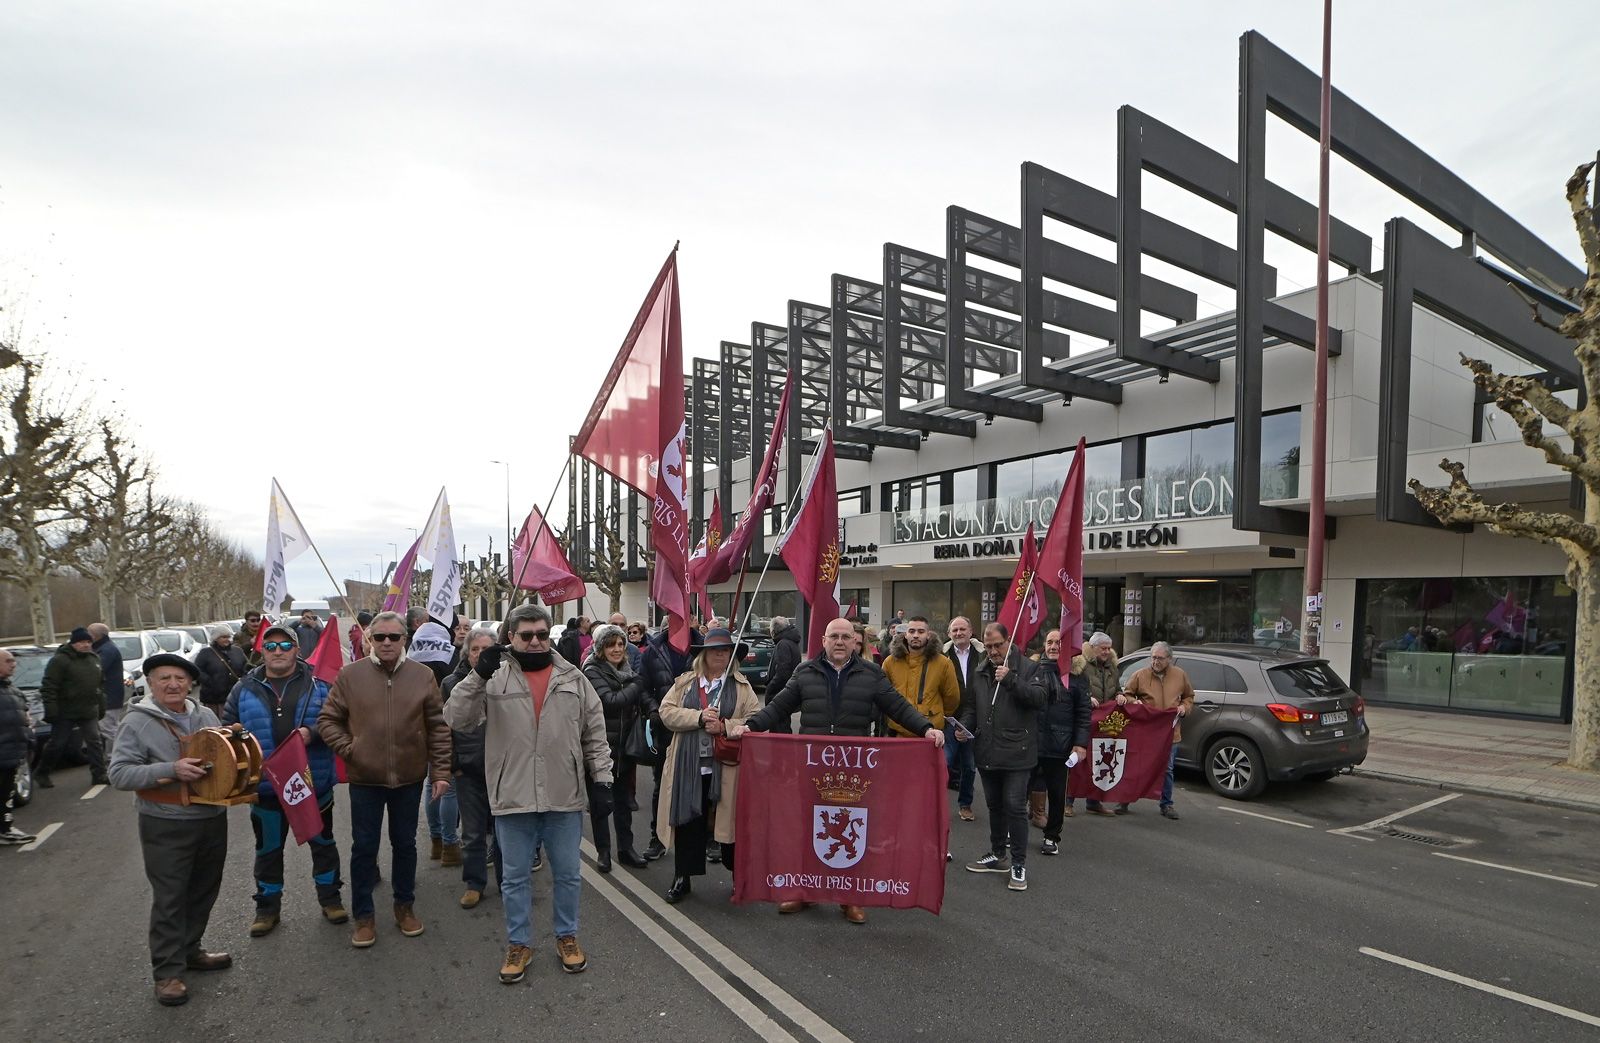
(1487, 755)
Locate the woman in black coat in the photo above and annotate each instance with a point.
(221, 666)
(1063, 731)
(624, 698)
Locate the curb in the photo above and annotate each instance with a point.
(1482, 791)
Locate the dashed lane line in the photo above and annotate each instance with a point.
(1351, 831)
(1269, 818)
(1514, 869)
(708, 979)
(44, 834)
(1483, 986)
(791, 1008)
(93, 791)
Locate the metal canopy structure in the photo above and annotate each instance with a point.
(1010, 320)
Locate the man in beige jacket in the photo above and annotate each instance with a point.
(1162, 686)
(384, 717)
(545, 731)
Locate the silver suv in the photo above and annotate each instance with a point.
(1264, 713)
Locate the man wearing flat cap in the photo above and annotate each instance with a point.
(74, 695)
(185, 846)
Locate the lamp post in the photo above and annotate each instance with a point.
(510, 579)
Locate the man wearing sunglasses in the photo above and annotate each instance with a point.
(273, 701)
(545, 732)
(384, 716)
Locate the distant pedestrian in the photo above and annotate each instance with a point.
(113, 677)
(964, 656)
(472, 785)
(1103, 674)
(1001, 710)
(416, 615)
(273, 701)
(74, 696)
(221, 666)
(185, 846)
(570, 647)
(16, 735)
(786, 654)
(245, 639)
(309, 630)
(1162, 686)
(384, 717)
(545, 735)
(358, 635)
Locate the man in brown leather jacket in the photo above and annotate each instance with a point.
(385, 718)
(1162, 686)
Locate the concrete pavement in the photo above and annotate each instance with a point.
(1240, 922)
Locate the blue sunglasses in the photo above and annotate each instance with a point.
(277, 646)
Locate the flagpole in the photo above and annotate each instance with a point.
(1012, 636)
(313, 544)
(544, 523)
(816, 461)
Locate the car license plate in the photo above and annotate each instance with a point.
(1337, 717)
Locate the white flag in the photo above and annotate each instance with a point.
(286, 540)
(445, 589)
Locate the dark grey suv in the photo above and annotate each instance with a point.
(1264, 713)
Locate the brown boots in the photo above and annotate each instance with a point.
(407, 921)
(450, 855)
(1037, 809)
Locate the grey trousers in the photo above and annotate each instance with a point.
(183, 860)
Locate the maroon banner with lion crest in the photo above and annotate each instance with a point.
(829, 818)
(1128, 751)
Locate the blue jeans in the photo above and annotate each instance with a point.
(519, 836)
(1166, 786)
(368, 805)
(444, 815)
(958, 758)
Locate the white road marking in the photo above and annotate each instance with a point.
(93, 791)
(1514, 869)
(1397, 816)
(1269, 818)
(786, 1004)
(44, 834)
(1483, 986)
(703, 975)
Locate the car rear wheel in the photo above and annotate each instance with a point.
(1235, 769)
(22, 792)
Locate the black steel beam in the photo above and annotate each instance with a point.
(902, 267)
(958, 391)
(856, 331)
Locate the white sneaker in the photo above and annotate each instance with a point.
(1019, 879)
(1050, 847)
(16, 836)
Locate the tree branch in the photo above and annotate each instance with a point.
(1583, 215)
(1533, 306)
(1461, 504)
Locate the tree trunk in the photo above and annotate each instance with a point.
(1585, 749)
(616, 600)
(44, 627)
(108, 606)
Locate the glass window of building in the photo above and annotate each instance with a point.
(1200, 609)
(1166, 456)
(1013, 480)
(860, 596)
(964, 486)
(1211, 450)
(1280, 455)
(853, 502)
(1279, 598)
(1488, 643)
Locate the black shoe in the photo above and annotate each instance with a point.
(678, 891)
(43, 782)
(100, 780)
(655, 850)
(1168, 811)
(714, 854)
(630, 858)
(604, 860)
(538, 861)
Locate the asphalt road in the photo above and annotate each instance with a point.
(1225, 925)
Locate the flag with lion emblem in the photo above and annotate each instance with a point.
(1128, 750)
(290, 775)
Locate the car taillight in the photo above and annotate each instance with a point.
(1359, 707)
(750, 658)
(1284, 712)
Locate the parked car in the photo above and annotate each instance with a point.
(758, 660)
(200, 633)
(171, 640)
(1264, 713)
(31, 661)
(136, 646)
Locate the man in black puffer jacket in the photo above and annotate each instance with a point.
(1063, 731)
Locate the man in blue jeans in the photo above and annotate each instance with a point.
(384, 716)
(958, 759)
(1162, 685)
(544, 734)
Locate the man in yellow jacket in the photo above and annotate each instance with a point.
(920, 673)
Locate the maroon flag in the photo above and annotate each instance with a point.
(1023, 611)
(399, 595)
(1128, 751)
(327, 659)
(539, 564)
(729, 557)
(290, 777)
(1061, 560)
(836, 819)
(636, 432)
(810, 545)
(850, 613)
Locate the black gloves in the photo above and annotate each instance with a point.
(600, 802)
(489, 661)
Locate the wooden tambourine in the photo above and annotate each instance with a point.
(232, 758)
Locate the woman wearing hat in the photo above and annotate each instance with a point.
(185, 846)
(695, 786)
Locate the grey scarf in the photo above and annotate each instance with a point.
(694, 751)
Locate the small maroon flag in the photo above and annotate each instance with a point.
(1061, 559)
(704, 554)
(327, 659)
(538, 563)
(1023, 611)
(850, 613)
(826, 818)
(810, 545)
(729, 558)
(1128, 751)
(290, 776)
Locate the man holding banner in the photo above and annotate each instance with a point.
(839, 693)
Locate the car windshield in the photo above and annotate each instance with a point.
(129, 647)
(198, 633)
(168, 640)
(30, 670)
(1310, 679)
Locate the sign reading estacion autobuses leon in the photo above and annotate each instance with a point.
(827, 818)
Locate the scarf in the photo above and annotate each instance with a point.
(531, 660)
(693, 750)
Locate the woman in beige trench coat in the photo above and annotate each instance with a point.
(698, 791)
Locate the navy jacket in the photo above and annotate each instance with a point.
(111, 670)
(255, 705)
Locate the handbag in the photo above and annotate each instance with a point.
(725, 750)
(636, 742)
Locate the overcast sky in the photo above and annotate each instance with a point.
(368, 246)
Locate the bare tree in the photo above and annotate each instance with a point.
(1532, 405)
(610, 557)
(125, 517)
(45, 461)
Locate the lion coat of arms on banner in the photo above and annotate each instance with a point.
(1110, 751)
(839, 826)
